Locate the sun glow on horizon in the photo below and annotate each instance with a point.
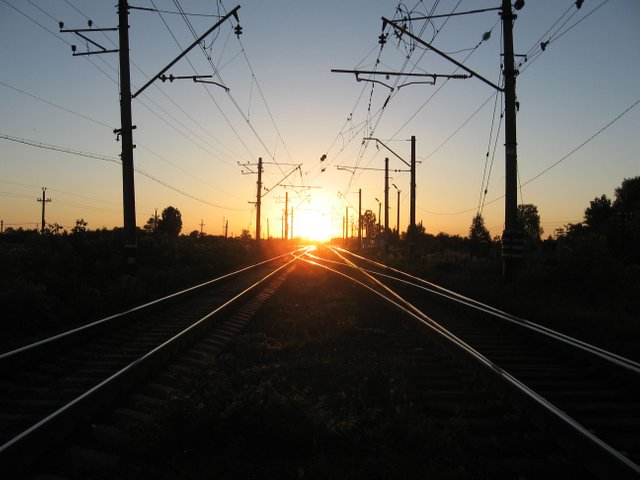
(312, 225)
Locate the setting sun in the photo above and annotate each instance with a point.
(312, 225)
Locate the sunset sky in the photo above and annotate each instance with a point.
(286, 106)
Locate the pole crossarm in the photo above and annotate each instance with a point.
(81, 31)
(195, 78)
(432, 76)
(352, 169)
(445, 15)
(297, 167)
(385, 146)
(233, 13)
(403, 30)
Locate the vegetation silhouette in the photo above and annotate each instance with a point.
(582, 280)
(56, 281)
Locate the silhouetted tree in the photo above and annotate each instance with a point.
(479, 235)
(151, 225)
(478, 232)
(598, 214)
(369, 224)
(54, 229)
(170, 222)
(529, 221)
(626, 222)
(81, 227)
(628, 196)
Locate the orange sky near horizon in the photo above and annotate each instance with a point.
(286, 106)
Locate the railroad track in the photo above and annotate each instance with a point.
(526, 395)
(49, 388)
(586, 398)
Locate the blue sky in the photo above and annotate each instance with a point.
(287, 107)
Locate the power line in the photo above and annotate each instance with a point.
(169, 12)
(86, 117)
(627, 110)
(115, 160)
(204, 86)
(562, 159)
(169, 114)
(233, 100)
(115, 81)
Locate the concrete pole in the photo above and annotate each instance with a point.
(360, 218)
(386, 197)
(126, 132)
(286, 215)
(510, 236)
(259, 200)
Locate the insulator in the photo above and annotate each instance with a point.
(73, 48)
(579, 3)
(90, 23)
(61, 25)
(382, 39)
(238, 30)
(486, 36)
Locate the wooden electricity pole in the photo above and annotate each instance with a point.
(44, 201)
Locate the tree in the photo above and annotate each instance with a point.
(170, 222)
(598, 214)
(151, 225)
(628, 196)
(529, 221)
(478, 232)
(369, 224)
(81, 227)
(54, 229)
(479, 235)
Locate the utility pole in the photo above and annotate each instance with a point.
(286, 215)
(126, 132)
(359, 218)
(226, 229)
(201, 225)
(412, 201)
(259, 194)
(44, 201)
(346, 222)
(292, 236)
(126, 126)
(512, 244)
(379, 214)
(412, 170)
(398, 215)
(386, 199)
(258, 199)
(512, 240)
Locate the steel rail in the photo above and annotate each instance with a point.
(11, 357)
(22, 444)
(623, 465)
(606, 355)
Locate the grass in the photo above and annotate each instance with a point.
(310, 390)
